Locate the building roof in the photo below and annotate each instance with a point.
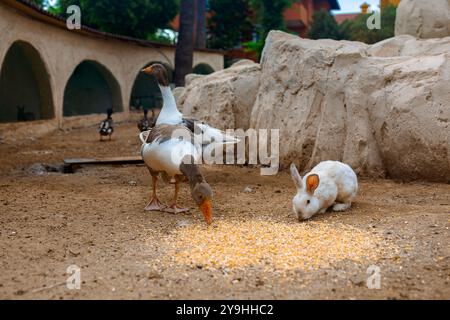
(341, 17)
(28, 8)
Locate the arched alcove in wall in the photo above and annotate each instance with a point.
(146, 93)
(25, 91)
(203, 68)
(91, 89)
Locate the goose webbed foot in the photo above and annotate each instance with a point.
(176, 209)
(155, 205)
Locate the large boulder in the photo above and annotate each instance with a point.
(406, 45)
(423, 19)
(370, 106)
(225, 98)
(383, 108)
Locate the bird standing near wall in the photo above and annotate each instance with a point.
(107, 126)
(146, 123)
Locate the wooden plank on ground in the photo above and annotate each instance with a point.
(104, 161)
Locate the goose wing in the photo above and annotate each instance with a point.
(165, 146)
(209, 134)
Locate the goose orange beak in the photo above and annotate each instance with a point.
(206, 209)
(148, 70)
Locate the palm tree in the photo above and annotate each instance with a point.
(184, 54)
(200, 36)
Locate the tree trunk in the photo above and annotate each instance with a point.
(200, 35)
(184, 54)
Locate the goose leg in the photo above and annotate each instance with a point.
(155, 204)
(174, 208)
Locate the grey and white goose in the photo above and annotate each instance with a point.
(171, 148)
(164, 153)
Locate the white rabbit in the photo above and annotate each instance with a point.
(330, 183)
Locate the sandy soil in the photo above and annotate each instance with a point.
(94, 219)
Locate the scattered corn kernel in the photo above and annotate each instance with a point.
(273, 245)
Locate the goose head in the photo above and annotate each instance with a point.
(202, 195)
(159, 72)
(200, 190)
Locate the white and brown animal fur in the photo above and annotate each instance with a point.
(330, 183)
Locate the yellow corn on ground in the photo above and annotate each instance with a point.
(273, 245)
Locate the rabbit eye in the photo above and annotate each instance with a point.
(308, 201)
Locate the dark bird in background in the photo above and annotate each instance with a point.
(107, 126)
(146, 123)
(24, 116)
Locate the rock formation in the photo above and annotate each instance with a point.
(225, 98)
(383, 109)
(423, 19)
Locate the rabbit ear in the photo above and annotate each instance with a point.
(312, 182)
(296, 177)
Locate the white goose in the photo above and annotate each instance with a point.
(163, 151)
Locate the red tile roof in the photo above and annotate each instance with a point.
(345, 16)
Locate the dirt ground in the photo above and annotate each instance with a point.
(94, 219)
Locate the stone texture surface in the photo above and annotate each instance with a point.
(352, 102)
(423, 19)
(383, 109)
(407, 45)
(224, 99)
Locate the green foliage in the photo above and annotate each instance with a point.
(230, 23)
(45, 4)
(162, 37)
(269, 16)
(235, 21)
(324, 26)
(357, 30)
(134, 18)
(255, 47)
(39, 3)
(345, 29)
(61, 6)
